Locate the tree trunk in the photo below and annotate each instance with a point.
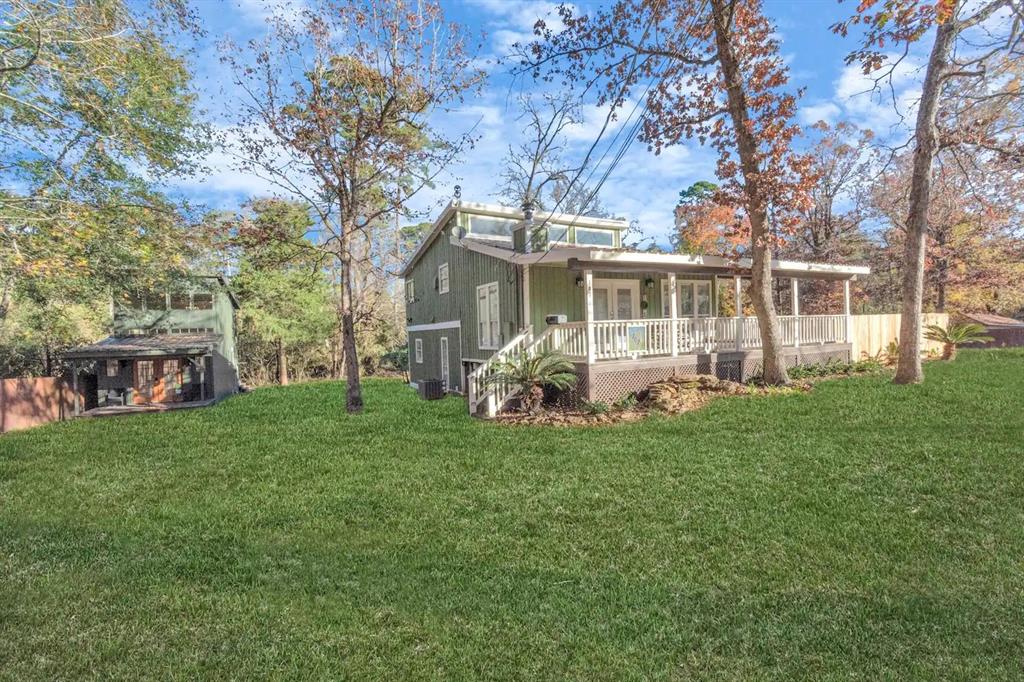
(353, 390)
(774, 371)
(908, 369)
(282, 364)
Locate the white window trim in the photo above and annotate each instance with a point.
(495, 343)
(410, 291)
(418, 346)
(443, 283)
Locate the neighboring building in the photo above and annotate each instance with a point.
(166, 347)
(485, 283)
(1005, 331)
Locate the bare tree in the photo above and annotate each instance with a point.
(534, 168)
(337, 113)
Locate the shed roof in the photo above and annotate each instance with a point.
(153, 345)
(989, 320)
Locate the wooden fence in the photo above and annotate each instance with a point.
(874, 333)
(30, 402)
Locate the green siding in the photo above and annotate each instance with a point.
(220, 318)
(430, 368)
(467, 270)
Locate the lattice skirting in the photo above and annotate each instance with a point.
(615, 381)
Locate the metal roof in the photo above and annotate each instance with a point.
(155, 344)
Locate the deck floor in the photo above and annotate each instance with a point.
(116, 410)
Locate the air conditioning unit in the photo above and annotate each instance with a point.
(431, 389)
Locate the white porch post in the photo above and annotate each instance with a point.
(673, 313)
(588, 284)
(737, 292)
(527, 320)
(846, 311)
(794, 284)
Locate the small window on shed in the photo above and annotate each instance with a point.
(179, 301)
(442, 278)
(419, 351)
(202, 301)
(156, 301)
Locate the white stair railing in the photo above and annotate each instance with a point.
(493, 394)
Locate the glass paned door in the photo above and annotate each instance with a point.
(145, 379)
(615, 299)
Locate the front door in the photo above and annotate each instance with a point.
(145, 381)
(444, 361)
(616, 299)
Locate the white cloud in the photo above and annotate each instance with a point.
(823, 111)
(880, 102)
(514, 21)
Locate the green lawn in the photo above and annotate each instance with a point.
(863, 530)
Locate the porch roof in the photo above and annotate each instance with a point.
(597, 258)
(153, 345)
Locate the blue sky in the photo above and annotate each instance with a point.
(642, 187)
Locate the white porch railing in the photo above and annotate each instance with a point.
(621, 339)
(617, 339)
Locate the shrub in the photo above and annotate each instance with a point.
(531, 373)
(956, 335)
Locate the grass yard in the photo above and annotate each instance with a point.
(862, 531)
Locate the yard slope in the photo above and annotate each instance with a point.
(863, 530)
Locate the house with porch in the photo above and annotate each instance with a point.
(167, 349)
(488, 282)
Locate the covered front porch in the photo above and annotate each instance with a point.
(611, 330)
(627, 319)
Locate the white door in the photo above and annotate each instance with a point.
(614, 299)
(444, 361)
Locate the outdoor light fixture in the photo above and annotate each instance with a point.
(649, 283)
(579, 282)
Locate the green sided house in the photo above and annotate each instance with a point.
(168, 348)
(488, 283)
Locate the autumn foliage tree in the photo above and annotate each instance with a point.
(971, 76)
(337, 114)
(705, 227)
(709, 70)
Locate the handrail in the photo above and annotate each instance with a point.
(479, 386)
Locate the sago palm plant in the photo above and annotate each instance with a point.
(956, 335)
(531, 373)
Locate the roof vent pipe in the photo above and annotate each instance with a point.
(528, 208)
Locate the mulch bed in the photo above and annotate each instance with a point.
(677, 395)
